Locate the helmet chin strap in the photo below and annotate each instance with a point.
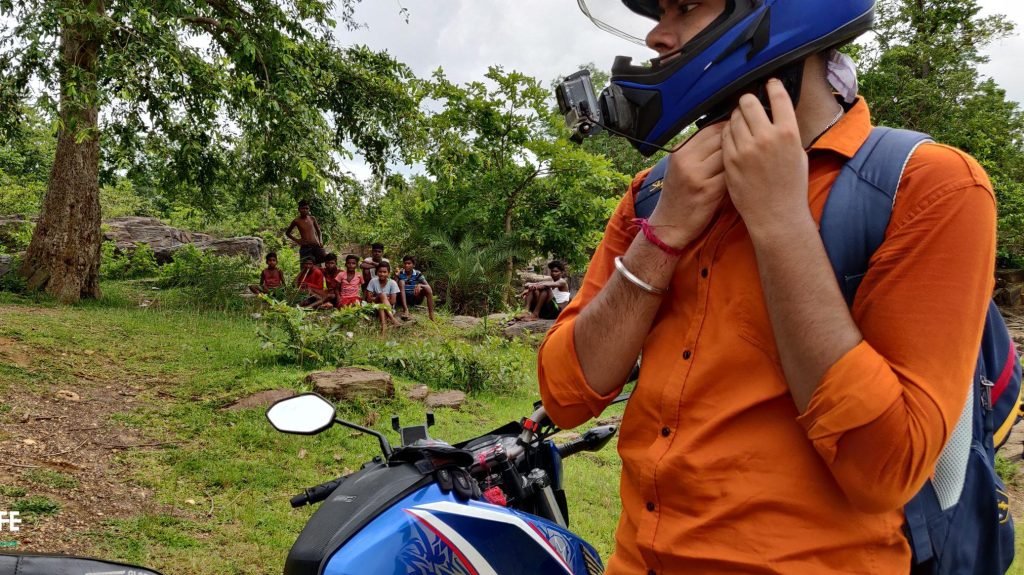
(792, 77)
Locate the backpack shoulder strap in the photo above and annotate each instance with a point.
(860, 203)
(647, 197)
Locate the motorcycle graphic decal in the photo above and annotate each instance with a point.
(504, 538)
(468, 556)
(430, 553)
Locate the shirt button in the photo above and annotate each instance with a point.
(665, 432)
(687, 354)
(704, 273)
(651, 506)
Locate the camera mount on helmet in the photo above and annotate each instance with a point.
(751, 41)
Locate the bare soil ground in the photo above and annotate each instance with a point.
(69, 430)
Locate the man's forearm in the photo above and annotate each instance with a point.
(812, 325)
(610, 331)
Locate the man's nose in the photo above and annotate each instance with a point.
(662, 39)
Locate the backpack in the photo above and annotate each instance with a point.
(959, 522)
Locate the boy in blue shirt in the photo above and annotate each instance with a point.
(414, 287)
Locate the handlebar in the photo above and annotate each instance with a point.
(316, 494)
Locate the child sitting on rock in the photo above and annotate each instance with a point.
(271, 279)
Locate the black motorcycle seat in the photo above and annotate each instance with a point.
(18, 564)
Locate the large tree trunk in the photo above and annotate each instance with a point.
(64, 255)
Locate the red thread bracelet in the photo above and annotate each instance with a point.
(648, 231)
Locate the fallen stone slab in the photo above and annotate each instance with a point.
(129, 232)
(349, 382)
(261, 399)
(418, 393)
(519, 329)
(450, 399)
(498, 317)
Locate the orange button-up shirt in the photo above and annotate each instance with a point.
(720, 472)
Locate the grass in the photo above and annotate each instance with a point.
(35, 505)
(223, 490)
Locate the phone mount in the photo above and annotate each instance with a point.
(413, 433)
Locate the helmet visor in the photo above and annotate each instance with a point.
(631, 23)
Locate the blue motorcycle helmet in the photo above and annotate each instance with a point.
(751, 41)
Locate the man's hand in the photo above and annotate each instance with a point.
(694, 186)
(765, 164)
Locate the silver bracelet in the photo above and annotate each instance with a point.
(635, 280)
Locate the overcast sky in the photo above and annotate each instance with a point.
(549, 38)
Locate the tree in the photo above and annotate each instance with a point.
(502, 169)
(182, 76)
(921, 73)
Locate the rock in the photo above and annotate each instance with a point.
(1007, 276)
(418, 393)
(129, 232)
(465, 321)
(522, 328)
(248, 246)
(611, 420)
(451, 399)
(526, 277)
(349, 382)
(261, 399)
(68, 395)
(1008, 296)
(6, 263)
(498, 318)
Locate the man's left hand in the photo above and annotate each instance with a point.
(765, 163)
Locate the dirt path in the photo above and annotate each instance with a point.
(61, 442)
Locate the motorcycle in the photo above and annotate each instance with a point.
(491, 505)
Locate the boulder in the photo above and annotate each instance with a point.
(164, 240)
(6, 263)
(261, 399)
(498, 318)
(248, 246)
(418, 393)
(522, 328)
(451, 399)
(349, 382)
(1006, 276)
(526, 277)
(1009, 296)
(465, 321)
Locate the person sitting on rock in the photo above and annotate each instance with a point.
(350, 283)
(414, 288)
(310, 240)
(384, 291)
(332, 282)
(545, 300)
(311, 282)
(271, 279)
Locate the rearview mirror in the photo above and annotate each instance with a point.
(306, 414)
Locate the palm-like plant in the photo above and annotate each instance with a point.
(471, 271)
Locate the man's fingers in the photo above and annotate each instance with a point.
(782, 105)
(728, 143)
(738, 129)
(753, 114)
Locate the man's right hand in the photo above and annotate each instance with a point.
(693, 189)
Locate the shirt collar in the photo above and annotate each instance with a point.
(849, 133)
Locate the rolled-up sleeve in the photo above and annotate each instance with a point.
(567, 397)
(883, 412)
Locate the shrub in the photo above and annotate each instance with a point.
(452, 364)
(12, 281)
(206, 279)
(36, 505)
(139, 263)
(311, 338)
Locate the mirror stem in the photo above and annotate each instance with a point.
(384, 445)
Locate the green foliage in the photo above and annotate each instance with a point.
(921, 73)
(11, 281)
(207, 280)
(18, 198)
(311, 338)
(36, 505)
(51, 479)
(1007, 470)
(138, 263)
(452, 364)
(471, 272)
(15, 237)
(121, 199)
(12, 491)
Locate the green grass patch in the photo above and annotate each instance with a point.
(52, 479)
(36, 505)
(12, 491)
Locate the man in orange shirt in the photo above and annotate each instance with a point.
(774, 429)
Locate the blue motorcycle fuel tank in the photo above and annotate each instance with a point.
(429, 532)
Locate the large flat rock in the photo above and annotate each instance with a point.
(349, 382)
(127, 233)
(519, 329)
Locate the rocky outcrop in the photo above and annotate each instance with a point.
(465, 321)
(350, 382)
(450, 399)
(129, 232)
